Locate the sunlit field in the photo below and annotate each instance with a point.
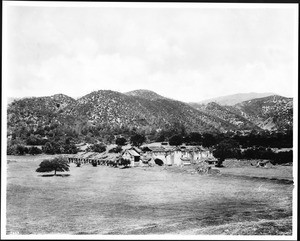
(147, 200)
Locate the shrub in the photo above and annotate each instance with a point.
(97, 148)
(137, 139)
(17, 150)
(124, 162)
(121, 141)
(117, 149)
(176, 140)
(34, 150)
(52, 148)
(70, 149)
(11, 150)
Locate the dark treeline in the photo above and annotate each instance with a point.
(267, 154)
(266, 139)
(252, 139)
(229, 149)
(56, 138)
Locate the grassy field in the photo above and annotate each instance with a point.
(145, 200)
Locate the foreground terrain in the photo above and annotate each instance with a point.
(147, 200)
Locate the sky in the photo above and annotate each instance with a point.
(186, 53)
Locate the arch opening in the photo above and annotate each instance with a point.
(158, 162)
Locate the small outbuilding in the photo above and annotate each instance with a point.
(132, 156)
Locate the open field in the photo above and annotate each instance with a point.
(144, 200)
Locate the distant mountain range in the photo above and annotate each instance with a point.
(147, 111)
(235, 99)
(269, 113)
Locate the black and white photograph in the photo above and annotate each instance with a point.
(149, 120)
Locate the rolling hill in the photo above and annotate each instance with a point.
(272, 113)
(107, 111)
(144, 110)
(228, 114)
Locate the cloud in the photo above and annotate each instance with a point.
(84, 72)
(186, 54)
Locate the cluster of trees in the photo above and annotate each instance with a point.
(226, 149)
(137, 139)
(265, 139)
(231, 149)
(117, 149)
(266, 153)
(121, 141)
(195, 138)
(50, 147)
(59, 147)
(98, 147)
(55, 138)
(32, 135)
(36, 140)
(22, 150)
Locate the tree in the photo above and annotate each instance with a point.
(58, 164)
(116, 149)
(137, 139)
(121, 141)
(32, 140)
(208, 140)
(161, 137)
(123, 162)
(53, 147)
(70, 148)
(225, 149)
(34, 150)
(97, 148)
(48, 148)
(11, 150)
(21, 150)
(194, 138)
(176, 140)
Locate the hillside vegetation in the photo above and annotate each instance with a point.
(272, 112)
(103, 115)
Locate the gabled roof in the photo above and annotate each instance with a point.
(157, 149)
(138, 150)
(169, 148)
(132, 152)
(146, 148)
